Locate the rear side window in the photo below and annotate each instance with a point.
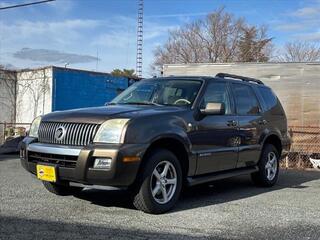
(268, 97)
(245, 99)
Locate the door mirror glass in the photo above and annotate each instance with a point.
(213, 108)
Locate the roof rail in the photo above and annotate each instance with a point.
(246, 79)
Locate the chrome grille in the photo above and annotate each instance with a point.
(77, 134)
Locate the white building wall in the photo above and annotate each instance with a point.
(7, 96)
(296, 84)
(7, 99)
(34, 94)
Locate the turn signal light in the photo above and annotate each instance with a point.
(131, 159)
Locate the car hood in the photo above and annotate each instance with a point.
(100, 114)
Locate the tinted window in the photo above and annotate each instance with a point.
(217, 92)
(268, 97)
(245, 99)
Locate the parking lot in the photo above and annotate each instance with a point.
(229, 209)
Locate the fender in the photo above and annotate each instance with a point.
(183, 139)
(267, 133)
(174, 127)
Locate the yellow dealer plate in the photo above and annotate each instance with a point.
(46, 173)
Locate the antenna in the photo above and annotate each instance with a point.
(139, 39)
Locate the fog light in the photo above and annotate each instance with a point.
(102, 163)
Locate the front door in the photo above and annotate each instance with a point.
(215, 137)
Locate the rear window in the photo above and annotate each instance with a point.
(268, 97)
(245, 99)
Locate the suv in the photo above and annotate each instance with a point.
(159, 135)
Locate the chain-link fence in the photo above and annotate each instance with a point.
(11, 130)
(305, 148)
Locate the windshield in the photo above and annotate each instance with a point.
(160, 92)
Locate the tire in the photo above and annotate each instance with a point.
(61, 190)
(161, 184)
(268, 173)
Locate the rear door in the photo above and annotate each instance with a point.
(251, 123)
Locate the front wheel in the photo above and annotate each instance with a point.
(161, 183)
(268, 166)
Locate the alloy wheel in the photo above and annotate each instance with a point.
(163, 182)
(271, 166)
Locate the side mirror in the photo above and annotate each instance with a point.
(214, 109)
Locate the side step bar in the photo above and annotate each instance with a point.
(191, 181)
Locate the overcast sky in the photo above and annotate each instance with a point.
(101, 34)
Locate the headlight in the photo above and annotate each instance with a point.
(111, 131)
(35, 127)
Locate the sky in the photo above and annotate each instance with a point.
(100, 35)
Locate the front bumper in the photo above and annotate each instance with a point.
(80, 169)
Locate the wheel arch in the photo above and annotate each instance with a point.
(173, 143)
(275, 140)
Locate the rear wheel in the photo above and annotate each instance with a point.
(161, 183)
(268, 165)
(61, 190)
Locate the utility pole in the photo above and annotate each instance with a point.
(139, 39)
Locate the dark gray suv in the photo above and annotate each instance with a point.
(162, 134)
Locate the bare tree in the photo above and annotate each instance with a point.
(300, 52)
(220, 33)
(219, 37)
(184, 45)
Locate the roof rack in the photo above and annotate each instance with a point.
(246, 79)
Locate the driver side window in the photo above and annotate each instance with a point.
(217, 92)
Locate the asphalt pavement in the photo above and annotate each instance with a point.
(228, 209)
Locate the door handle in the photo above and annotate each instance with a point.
(263, 122)
(232, 123)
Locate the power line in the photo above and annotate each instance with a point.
(25, 4)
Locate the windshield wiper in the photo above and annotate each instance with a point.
(143, 103)
(110, 103)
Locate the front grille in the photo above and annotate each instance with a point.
(77, 134)
(60, 160)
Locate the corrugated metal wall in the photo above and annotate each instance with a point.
(296, 84)
(78, 89)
